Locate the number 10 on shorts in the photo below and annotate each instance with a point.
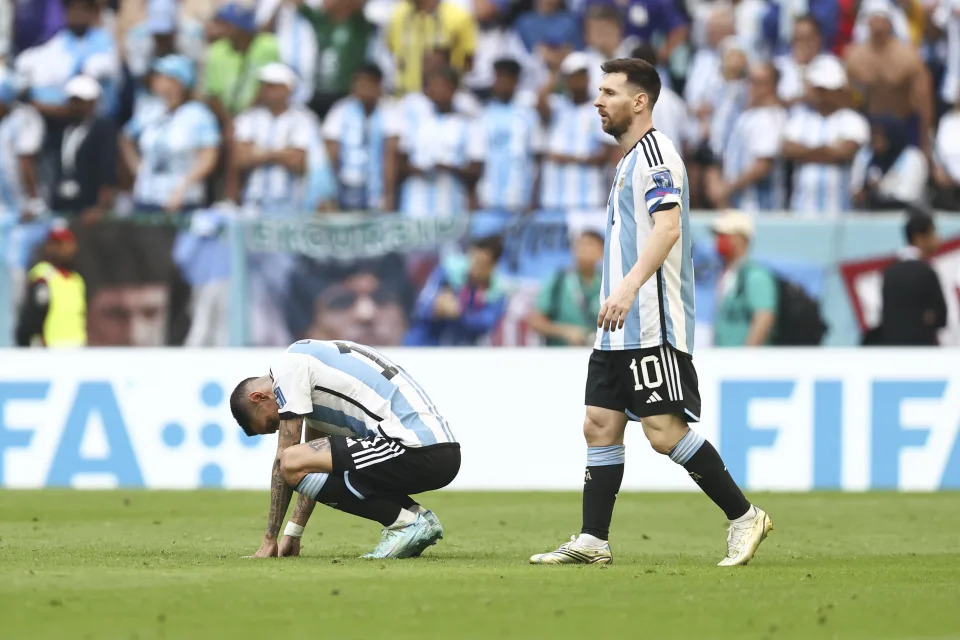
(647, 364)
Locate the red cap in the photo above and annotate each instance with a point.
(61, 235)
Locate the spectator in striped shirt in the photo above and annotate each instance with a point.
(173, 155)
(438, 177)
(577, 151)
(361, 141)
(272, 146)
(822, 141)
(506, 138)
(750, 176)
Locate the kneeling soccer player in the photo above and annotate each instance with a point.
(385, 440)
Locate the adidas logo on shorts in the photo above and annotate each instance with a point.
(654, 397)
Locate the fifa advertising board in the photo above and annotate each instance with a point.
(787, 419)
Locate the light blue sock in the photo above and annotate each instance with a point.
(687, 446)
(606, 456)
(311, 484)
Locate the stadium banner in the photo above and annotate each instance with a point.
(791, 420)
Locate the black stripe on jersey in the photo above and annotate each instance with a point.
(656, 144)
(354, 402)
(646, 152)
(649, 141)
(660, 296)
(389, 371)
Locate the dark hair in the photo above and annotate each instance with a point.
(240, 406)
(593, 233)
(493, 244)
(639, 73)
(605, 12)
(808, 18)
(371, 69)
(447, 73)
(646, 52)
(507, 65)
(919, 223)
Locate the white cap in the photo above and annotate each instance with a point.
(877, 8)
(84, 88)
(277, 73)
(574, 62)
(826, 72)
(733, 222)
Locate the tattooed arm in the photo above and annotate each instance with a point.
(280, 493)
(290, 546)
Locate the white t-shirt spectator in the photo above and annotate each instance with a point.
(274, 187)
(904, 181)
(947, 145)
(823, 189)
(21, 134)
(298, 49)
(757, 134)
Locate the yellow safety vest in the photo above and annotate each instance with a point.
(66, 322)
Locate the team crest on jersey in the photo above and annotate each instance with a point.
(663, 179)
(620, 182)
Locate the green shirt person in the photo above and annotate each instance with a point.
(343, 39)
(234, 61)
(747, 291)
(569, 302)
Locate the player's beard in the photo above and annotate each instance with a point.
(616, 127)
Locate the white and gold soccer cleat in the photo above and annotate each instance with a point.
(574, 552)
(743, 538)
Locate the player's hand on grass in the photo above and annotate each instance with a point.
(268, 549)
(289, 547)
(613, 312)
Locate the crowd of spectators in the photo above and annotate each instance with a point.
(436, 107)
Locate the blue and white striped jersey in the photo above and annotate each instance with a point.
(649, 178)
(344, 388)
(21, 134)
(298, 49)
(429, 138)
(506, 138)
(274, 187)
(823, 189)
(361, 139)
(168, 146)
(574, 130)
(757, 134)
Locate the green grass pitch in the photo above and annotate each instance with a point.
(130, 564)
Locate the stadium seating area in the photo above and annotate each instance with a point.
(181, 139)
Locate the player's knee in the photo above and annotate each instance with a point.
(592, 430)
(290, 469)
(660, 442)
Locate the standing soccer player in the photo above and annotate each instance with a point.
(641, 368)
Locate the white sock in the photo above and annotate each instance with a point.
(405, 518)
(587, 540)
(417, 509)
(749, 515)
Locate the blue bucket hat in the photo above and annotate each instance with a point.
(178, 67)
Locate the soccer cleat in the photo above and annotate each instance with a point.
(436, 531)
(743, 538)
(574, 553)
(404, 542)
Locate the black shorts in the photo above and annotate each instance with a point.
(644, 382)
(381, 466)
